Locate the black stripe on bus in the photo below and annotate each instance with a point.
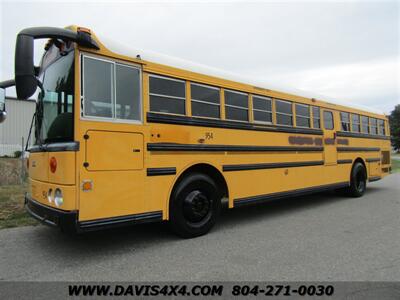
(372, 159)
(228, 148)
(344, 161)
(243, 167)
(375, 178)
(362, 135)
(193, 121)
(294, 193)
(357, 149)
(161, 171)
(155, 216)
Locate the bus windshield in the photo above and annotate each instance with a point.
(54, 110)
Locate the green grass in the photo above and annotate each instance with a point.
(395, 165)
(12, 211)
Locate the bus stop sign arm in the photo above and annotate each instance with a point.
(25, 77)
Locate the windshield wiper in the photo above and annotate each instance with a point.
(30, 131)
(38, 121)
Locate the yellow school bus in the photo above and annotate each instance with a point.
(122, 137)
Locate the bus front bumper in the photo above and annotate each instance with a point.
(66, 220)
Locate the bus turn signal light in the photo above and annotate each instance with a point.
(53, 164)
(87, 185)
(85, 30)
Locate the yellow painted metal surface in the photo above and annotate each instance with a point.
(115, 169)
(114, 193)
(65, 172)
(38, 190)
(374, 168)
(113, 151)
(39, 167)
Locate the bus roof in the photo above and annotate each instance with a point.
(179, 63)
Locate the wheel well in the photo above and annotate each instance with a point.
(210, 171)
(360, 160)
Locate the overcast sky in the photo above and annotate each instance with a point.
(345, 50)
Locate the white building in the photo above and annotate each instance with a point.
(15, 129)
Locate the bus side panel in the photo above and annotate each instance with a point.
(113, 163)
(114, 193)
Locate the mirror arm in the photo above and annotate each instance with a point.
(3, 86)
(7, 83)
(25, 72)
(37, 71)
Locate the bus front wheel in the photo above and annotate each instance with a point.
(194, 206)
(358, 180)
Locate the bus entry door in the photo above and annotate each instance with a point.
(330, 151)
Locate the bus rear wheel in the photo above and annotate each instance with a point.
(194, 206)
(358, 180)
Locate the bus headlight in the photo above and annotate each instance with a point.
(58, 198)
(49, 195)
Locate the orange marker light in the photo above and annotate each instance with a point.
(87, 185)
(83, 29)
(53, 164)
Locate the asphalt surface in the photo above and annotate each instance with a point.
(319, 237)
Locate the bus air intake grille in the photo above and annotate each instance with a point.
(385, 157)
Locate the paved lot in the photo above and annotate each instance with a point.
(319, 237)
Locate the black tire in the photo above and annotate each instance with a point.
(194, 206)
(358, 180)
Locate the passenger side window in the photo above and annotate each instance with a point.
(98, 94)
(284, 112)
(328, 120)
(236, 106)
(167, 95)
(345, 121)
(355, 123)
(303, 115)
(316, 117)
(205, 100)
(374, 125)
(128, 93)
(382, 130)
(111, 90)
(262, 109)
(364, 124)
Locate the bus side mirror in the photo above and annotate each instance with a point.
(3, 113)
(25, 79)
(25, 71)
